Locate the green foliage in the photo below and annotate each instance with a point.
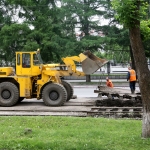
(53, 28)
(116, 43)
(145, 34)
(127, 11)
(47, 30)
(100, 54)
(65, 133)
(145, 29)
(13, 38)
(130, 15)
(79, 14)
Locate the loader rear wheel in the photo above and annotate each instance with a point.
(9, 94)
(54, 94)
(68, 88)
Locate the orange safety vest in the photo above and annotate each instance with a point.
(109, 83)
(132, 75)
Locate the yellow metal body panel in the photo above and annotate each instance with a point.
(32, 69)
(25, 84)
(6, 71)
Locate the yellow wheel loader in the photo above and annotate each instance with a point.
(34, 79)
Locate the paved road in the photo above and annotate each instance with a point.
(85, 100)
(88, 91)
(75, 107)
(85, 91)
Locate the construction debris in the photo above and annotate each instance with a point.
(119, 97)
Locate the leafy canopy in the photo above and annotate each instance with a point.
(127, 11)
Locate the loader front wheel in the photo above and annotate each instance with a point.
(68, 88)
(9, 94)
(54, 94)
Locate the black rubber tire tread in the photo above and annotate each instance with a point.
(12, 88)
(60, 89)
(68, 88)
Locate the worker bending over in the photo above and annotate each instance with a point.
(109, 82)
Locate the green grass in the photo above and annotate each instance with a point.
(70, 133)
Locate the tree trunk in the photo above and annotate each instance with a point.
(132, 59)
(143, 75)
(146, 122)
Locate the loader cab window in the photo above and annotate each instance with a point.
(26, 63)
(37, 60)
(18, 59)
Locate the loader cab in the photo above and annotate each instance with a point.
(28, 63)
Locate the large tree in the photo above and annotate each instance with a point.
(130, 13)
(9, 33)
(79, 16)
(53, 27)
(9, 41)
(47, 30)
(46, 33)
(89, 18)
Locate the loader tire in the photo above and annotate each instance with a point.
(9, 94)
(68, 88)
(54, 94)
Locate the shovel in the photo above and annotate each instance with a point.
(90, 62)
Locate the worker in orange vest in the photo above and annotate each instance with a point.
(109, 82)
(131, 77)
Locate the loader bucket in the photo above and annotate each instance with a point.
(90, 62)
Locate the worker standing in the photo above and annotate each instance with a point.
(109, 82)
(131, 77)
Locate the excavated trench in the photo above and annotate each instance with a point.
(117, 103)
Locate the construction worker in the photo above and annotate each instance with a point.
(131, 77)
(109, 82)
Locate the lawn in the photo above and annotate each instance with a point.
(70, 133)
